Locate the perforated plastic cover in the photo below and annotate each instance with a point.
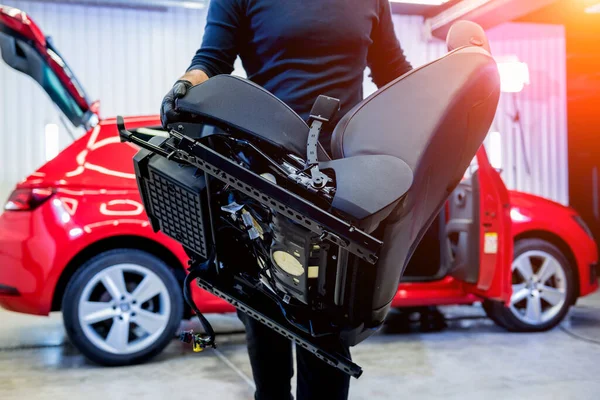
(178, 210)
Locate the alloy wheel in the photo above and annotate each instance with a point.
(124, 308)
(539, 286)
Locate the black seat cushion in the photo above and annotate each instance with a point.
(242, 104)
(369, 187)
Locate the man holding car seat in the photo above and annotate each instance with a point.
(297, 51)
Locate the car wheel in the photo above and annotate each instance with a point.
(122, 307)
(543, 289)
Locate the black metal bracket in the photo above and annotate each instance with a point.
(335, 360)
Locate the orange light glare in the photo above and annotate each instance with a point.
(594, 9)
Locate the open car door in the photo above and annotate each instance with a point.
(25, 48)
(479, 232)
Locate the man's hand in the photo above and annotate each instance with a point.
(168, 114)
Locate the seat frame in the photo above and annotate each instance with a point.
(186, 151)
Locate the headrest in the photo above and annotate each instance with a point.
(467, 33)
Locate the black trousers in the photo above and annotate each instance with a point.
(272, 366)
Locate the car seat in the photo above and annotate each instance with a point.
(397, 155)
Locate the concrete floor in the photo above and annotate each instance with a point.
(471, 359)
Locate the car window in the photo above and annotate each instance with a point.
(59, 95)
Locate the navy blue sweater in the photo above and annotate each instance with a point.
(299, 49)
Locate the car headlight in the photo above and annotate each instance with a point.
(583, 225)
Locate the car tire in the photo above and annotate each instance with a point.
(122, 307)
(541, 300)
(493, 309)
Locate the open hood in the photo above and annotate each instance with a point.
(24, 47)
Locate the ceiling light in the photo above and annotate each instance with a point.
(192, 4)
(422, 2)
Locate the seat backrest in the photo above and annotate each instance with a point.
(244, 105)
(434, 118)
(467, 33)
(412, 113)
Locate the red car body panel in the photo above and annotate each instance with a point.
(96, 199)
(494, 216)
(446, 291)
(532, 214)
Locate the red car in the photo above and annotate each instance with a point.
(74, 237)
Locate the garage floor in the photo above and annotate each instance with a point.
(471, 359)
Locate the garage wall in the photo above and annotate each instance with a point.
(537, 161)
(130, 58)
